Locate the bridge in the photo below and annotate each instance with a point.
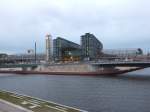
(18, 65)
(116, 67)
(100, 64)
(122, 64)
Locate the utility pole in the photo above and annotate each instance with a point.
(35, 53)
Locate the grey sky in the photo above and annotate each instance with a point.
(117, 23)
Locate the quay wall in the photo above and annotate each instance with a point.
(80, 68)
(67, 68)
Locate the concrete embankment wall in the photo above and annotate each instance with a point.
(76, 68)
(67, 68)
(10, 69)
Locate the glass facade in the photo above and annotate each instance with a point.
(64, 50)
(91, 47)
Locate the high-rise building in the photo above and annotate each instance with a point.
(91, 47)
(49, 47)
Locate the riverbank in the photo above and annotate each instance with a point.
(109, 72)
(84, 69)
(13, 102)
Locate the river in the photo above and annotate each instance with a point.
(124, 93)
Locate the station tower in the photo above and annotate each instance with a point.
(49, 49)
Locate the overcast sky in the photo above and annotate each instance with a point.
(117, 23)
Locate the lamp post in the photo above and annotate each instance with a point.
(35, 53)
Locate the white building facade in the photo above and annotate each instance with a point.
(49, 48)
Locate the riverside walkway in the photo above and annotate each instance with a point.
(12, 102)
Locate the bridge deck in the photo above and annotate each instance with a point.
(17, 65)
(122, 64)
(102, 64)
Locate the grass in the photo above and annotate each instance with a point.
(36, 105)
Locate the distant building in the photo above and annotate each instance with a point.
(49, 48)
(25, 58)
(3, 56)
(91, 47)
(65, 50)
(123, 52)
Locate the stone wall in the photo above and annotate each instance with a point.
(67, 68)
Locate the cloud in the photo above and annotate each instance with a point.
(117, 23)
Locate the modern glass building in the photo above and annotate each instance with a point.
(91, 47)
(64, 50)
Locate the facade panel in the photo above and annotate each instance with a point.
(91, 46)
(65, 50)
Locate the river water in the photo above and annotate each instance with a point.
(125, 93)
